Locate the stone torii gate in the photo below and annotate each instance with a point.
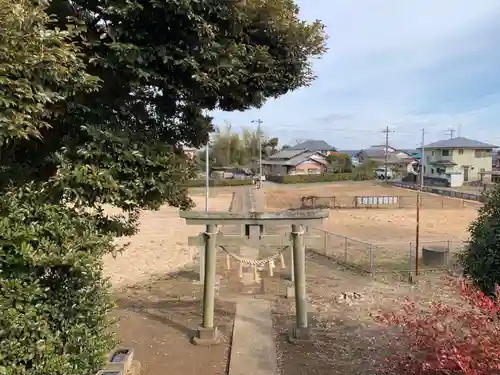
(253, 222)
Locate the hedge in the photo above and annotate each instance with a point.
(326, 177)
(216, 183)
(54, 298)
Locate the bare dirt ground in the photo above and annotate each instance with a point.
(158, 319)
(159, 307)
(346, 339)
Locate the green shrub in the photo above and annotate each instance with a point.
(481, 257)
(325, 177)
(53, 297)
(218, 183)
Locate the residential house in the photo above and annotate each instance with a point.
(291, 162)
(495, 159)
(397, 160)
(379, 151)
(459, 160)
(313, 145)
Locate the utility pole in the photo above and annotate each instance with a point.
(451, 132)
(417, 231)
(386, 131)
(259, 123)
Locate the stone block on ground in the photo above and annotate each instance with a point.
(253, 348)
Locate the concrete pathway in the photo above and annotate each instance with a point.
(253, 350)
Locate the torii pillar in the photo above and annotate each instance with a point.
(207, 334)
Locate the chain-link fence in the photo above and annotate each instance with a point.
(385, 257)
(425, 201)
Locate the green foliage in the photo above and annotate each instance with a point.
(39, 67)
(230, 148)
(481, 258)
(339, 162)
(326, 177)
(53, 297)
(221, 182)
(96, 101)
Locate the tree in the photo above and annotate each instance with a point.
(481, 257)
(232, 148)
(339, 162)
(98, 114)
(54, 299)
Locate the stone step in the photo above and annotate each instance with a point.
(253, 348)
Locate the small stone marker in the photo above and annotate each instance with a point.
(120, 359)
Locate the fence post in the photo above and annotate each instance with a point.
(345, 249)
(410, 278)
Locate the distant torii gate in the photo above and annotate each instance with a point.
(254, 223)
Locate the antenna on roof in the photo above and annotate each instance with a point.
(450, 132)
(459, 129)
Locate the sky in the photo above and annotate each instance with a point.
(409, 65)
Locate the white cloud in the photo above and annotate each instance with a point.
(409, 64)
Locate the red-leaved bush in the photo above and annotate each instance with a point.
(445, 339)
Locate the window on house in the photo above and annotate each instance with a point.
(432, 153)
(446, 152)
(479, 153)
(460, 151)
(432, 170)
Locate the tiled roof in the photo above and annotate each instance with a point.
(296, 160)
(459, 142)
(286, 154)
(312, 145)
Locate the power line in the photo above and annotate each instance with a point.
(386, 131)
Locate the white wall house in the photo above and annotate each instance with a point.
(459, 160)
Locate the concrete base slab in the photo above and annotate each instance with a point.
(206, 337)
(300, 335)
(253, 348)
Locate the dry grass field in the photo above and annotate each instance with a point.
(160, 246)
(390, 231)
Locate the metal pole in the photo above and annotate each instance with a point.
(345, 249)
(386, 151)
(417, 231)
(207, 174)
(422, 161)
(371, 259)
(259, 123)
(417, 234)
(386, 131)
(260, 156)
(410, 260)
(209, 287)
(299, 264)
